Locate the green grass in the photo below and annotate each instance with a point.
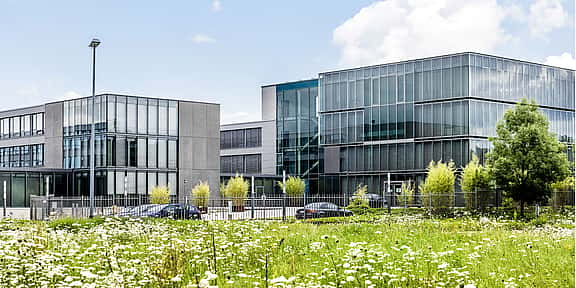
(368, 251)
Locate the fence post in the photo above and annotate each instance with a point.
(389, 190)
(5, 199)
(283, 195)
(252, 198)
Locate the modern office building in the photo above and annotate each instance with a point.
(140, 142)
(249, 149)
(395, 118)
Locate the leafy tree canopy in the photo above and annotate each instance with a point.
(526, 158)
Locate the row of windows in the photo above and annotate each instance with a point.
(547, 86)
(241, 138)
(441, 119)
(417, 86)
(297, 132)
(117, 151)
(402, 156)
(139, 182)
(22, 156)
(122, 114)
(485, 115)
(22, 126)
(250, 164)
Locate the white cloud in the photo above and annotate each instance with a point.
(216, 5)
(545, 16)
(237, 117)
(566, 60)
(202, 38)
(393, 30)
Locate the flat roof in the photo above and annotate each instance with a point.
(137, 96)
(289, 82)
(441, 56)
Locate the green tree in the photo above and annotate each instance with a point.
(200, 194)
(475, 181)
(526, 157)
(160, 195)
(438, 188)
(294, 186)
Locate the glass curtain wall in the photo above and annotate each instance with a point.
(297, 131)
(132, 133)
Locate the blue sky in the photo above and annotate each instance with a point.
(223, 51)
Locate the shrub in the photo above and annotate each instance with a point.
(359, 200)
(475, 181)
(160, 195)
(236, 188)
(438, 188)
(407, 193)
(200, 194)
(294, 186)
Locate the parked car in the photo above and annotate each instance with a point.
(376, 200)
(322, 209)
(174, 211)
(135, 211)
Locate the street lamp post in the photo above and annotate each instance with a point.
(93, 44)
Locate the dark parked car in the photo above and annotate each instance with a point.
(321, 209)
(375, 200)
(174, 211)
(135, 211)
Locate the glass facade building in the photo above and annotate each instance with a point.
(396, 118)
(297, 143)
(138, 145)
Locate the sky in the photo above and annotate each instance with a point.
(223, 51)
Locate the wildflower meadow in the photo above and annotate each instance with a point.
(389, 251)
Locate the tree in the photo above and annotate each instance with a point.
(237, 189)
(200, 194)
(160, 195)
(526, 158)
(438, 188)
(294, 186)
(475, 181)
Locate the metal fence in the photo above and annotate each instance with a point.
(275, 207)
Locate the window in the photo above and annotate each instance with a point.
(121, 151)
(131, 115)
(141, 183)
(142, 153)
(162, 153)
(111, 119)
(152, 153)
(132, 152)
(111, 151)
(121, 114)
(172, 154)
(163, 117)
(173, 118)
(142, 116)
(254, 137)
(26, 129)
(151, 181)
(153, 117)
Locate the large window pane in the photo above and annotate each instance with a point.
(121, 114)
(141, 183)
(173, 118)
(162, 117)
(172, 154)
(132, 154)
(142, 152)
(152, 153)
(111, 107)
(151, 181)
(131, 119)
(120, 182)
(121, 151)
(142, 116)
(153, 116)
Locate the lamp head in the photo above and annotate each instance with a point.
(94, 43)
